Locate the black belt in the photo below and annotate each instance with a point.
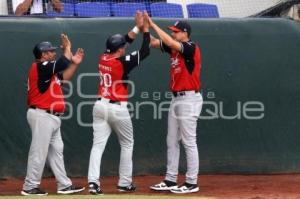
(48, 111)
(181, 93)
(112, 101)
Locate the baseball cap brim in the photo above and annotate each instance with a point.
(174, 29)
(50, 49)
(53, 48)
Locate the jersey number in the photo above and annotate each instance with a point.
(106, 79)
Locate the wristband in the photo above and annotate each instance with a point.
(136, 30)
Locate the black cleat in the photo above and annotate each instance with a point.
(129, 188)
(71, 189)
(34, 192)
(186, 188)
(165, 185)
(95, 189)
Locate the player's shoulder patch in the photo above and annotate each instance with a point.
(134, 53)
(45, 63)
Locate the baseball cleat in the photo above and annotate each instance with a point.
(165, 185)
(129, 188)
(71, 189)
(34, 192)
(186, 188)
(94, 189)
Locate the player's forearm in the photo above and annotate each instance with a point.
(70, 71)
(23, 7)
(61, 64)
(68, 53)
(154, 43)
(163, 35)
(131, 35)
(167, 39)
(128, 39)
(75, 61)
(145, 48)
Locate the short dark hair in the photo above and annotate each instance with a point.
(37, 53)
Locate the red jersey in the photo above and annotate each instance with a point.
(114, 71)
(111, 72)
(44, 87)
(52, 99)
(185, 67)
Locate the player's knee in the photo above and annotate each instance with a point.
(189, 143)
(57, 148)
(172, 142)
(128, 144)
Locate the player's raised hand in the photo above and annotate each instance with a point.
(147, 18)
(65, 42)
(66, 46)
(146, 21)
(78, 57)
(139, 20)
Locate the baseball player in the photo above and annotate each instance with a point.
(185, 106)
(110, 110)
(46, 105)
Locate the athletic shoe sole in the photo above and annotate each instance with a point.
(70, 191)
(28, 194)
(185, 191)
(94, 192)
(122, 190)
(163, 188)
(129, 188)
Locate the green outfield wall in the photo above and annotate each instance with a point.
(251, 88)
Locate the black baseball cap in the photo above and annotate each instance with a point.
(114, 42)
(181, 26)
(43, 47)
(46, 46)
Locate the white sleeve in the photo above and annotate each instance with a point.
(37, 7)
(15, 4)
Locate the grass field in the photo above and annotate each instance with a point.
(104, 197)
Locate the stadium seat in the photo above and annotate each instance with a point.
(85, 1)
(126, 9)
(91, 9)
(200, 10)
(146, 2)
(68, 10)
(166, 10)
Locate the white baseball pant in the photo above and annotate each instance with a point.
(47, 145)
(108, 117)
(182, 123)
